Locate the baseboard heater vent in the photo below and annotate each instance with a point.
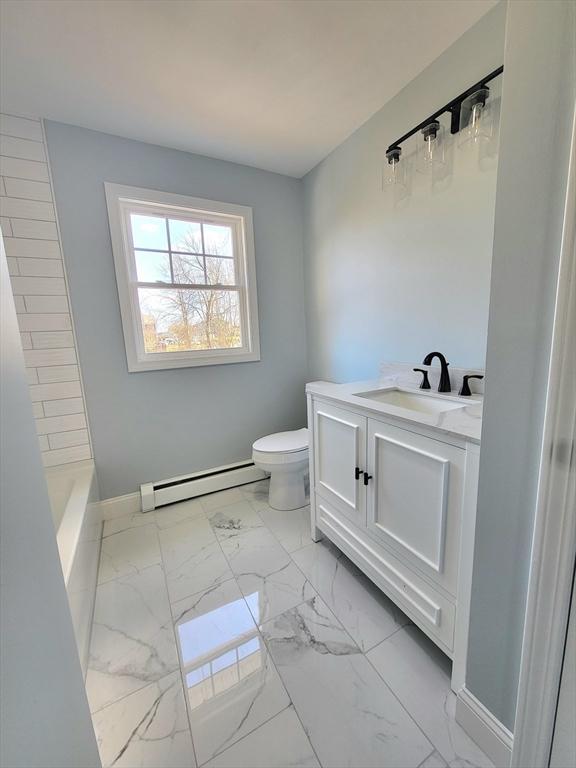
(176, 489)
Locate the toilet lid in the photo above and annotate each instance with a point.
(283, 442)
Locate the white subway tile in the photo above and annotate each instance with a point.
(26, 341)
(59, 391)
(43, 440)
(6, 227)
(63, 408)
(30, 190)
(46, 303)
(32, 375)
(38, 410)
(19, 304)
(41, 230)
(66, 455)
(10, 146)
(18, 208)
(49, 374)
(22, 127)
(25, 248)
(45, 322)
(38, 358)
(52, 339)
(60, 424)
(12, 266)
(38, 286)
(23, 169)
(40, 267)
(68, 439)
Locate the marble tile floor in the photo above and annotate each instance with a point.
(223, 636)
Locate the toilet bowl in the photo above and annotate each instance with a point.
(285, 456)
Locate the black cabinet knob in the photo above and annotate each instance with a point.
(357, 473)
(366, 478)
(465, 388)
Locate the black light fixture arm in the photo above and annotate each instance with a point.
(454, 107)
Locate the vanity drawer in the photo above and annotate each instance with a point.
(430, 610)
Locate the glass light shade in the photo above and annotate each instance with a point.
(431, 150)
(479, 126)
(394, 171)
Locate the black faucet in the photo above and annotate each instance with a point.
(444, 385)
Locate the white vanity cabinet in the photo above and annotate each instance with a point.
(393, 498)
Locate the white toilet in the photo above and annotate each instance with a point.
(285, 456)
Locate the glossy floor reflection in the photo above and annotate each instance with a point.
(224, 637)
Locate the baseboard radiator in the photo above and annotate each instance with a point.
(176, 489)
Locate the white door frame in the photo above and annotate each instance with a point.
(554, 543)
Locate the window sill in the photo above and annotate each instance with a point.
(162, 364)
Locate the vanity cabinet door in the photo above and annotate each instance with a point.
(415, 499)
(339, 451)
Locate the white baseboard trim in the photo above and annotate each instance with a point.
(120, 506)
(484, 728)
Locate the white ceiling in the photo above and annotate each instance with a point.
(276, 84)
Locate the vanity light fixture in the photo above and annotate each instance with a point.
(394, 170)
(431, 150)
(467, 111)
(477, 122)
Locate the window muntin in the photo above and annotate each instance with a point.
(189, 278)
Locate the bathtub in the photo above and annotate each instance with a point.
(73, 492)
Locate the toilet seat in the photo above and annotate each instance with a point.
(294, 441)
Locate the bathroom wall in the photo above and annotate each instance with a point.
(31, 238)
(391, 278)
(530, 196)
(157, 424)
(38, 650)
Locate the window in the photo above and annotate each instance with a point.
(186, 279)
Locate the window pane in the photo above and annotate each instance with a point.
(178, 320)
(152, 267)
(220, 271)
(218, 240)
(188, 269)
(185, 236)
(149, 232)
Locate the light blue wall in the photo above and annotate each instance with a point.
(538, 108)
(394, 279)
(153, 425)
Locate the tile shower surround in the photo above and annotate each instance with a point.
(33, 249)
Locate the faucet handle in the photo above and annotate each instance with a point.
(425, 383)
(465, 388)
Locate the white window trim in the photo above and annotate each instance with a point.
(118, 199)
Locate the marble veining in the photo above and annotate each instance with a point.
(351, 717)
(255, 552)
(132, 639)
(129, 551)
(223, 637)
(192, 557)
(365, 612)
(292, 531)
(281, 741)
(270, 595)
(147, 729)
(233, 520)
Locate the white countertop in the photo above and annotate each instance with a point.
(463, 422)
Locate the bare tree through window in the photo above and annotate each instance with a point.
(193, 318)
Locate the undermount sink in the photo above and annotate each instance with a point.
(422, 403)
